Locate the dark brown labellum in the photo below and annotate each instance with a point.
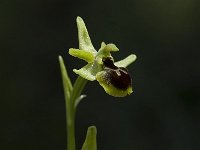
(117, 76)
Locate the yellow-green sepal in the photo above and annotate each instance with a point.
(89, 71)
(83, 36)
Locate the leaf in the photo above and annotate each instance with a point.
(67, 85)
(83, 36)
(90, 141)
(66, 80)
(126, 61)
(82, 54)
(77, 101)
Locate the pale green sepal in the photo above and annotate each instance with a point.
(86, 72)
(126, 61)
(83, 36)
(66, 80)
(90, 141)
(82, 54)
(109, 88)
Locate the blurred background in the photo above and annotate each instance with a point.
(161, 114)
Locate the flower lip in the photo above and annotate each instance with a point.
(117, 76)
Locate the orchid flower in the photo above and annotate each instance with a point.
(112, 76)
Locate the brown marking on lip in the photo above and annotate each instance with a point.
(117, 76)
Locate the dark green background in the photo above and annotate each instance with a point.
(162, 113)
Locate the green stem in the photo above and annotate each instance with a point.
(70, 136)
(76, 92)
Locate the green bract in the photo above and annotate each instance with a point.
(112, 76)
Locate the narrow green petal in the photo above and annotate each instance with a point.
(105, 50)
(111, 48)
(126, 61)
(90, 141)
(66, 80)
(103, 44)
(83, 36)
(82, 54)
